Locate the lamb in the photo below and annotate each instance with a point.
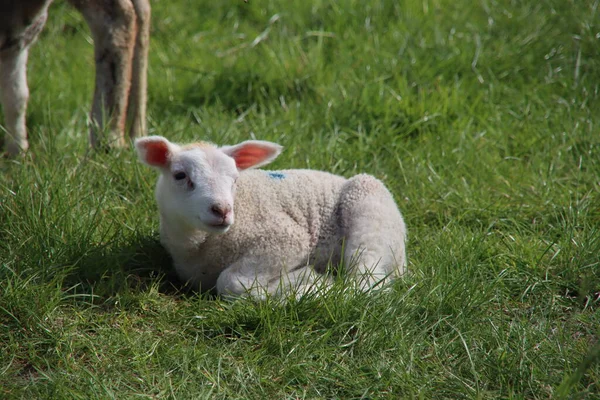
(289, 224)
(120, 29)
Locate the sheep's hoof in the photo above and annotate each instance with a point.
(105, 145)
(14, 150)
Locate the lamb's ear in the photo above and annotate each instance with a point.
(154, 150)
(252, 153)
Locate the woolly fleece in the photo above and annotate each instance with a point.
(283, 225)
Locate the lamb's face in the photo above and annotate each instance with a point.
(196, 187)
(199, 188)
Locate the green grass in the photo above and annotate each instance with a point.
(481, 117)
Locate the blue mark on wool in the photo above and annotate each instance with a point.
(276, 175)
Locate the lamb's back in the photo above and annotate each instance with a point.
(307, 198)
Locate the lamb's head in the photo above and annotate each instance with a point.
(196, 187)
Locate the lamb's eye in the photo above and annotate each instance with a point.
(179, 176)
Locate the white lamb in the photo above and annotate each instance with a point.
(289, 225)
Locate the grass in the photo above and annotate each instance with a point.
(481, 117)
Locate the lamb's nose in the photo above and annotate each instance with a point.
(220, 210)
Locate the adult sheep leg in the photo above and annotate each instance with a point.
(20, 23)
(136, 109)
(113, 27)
(374, 231)
(14, 96)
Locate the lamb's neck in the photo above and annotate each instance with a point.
(181, 236)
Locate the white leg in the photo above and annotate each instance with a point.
(242, 278)
(300, 281)
(265, 275)
(374, 231)
(14, 95)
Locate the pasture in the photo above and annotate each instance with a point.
(481, 117)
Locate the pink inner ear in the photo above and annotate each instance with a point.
(249, 155)
(157, 153)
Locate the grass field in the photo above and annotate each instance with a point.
(482, 118)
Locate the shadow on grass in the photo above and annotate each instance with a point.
(138, 265)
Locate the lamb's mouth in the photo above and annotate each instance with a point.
(218, 227)
(220, 224)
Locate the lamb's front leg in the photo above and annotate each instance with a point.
(113, 27)
(14, 94)
(259, 276)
